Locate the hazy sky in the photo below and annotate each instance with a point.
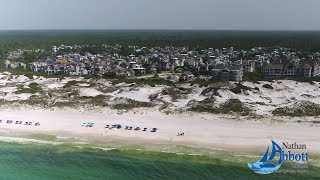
(161, 14)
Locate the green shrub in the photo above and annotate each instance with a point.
(131, 104)
(70, 84)
(237, 89)
(208, 90)
(100, 100)
(30, 74)
(35, 101)
(251, 76)
(304, 108)
(176, 93)
(233, 106)
(142, 81)
(33, 88)
(267, 86)
(206, 105)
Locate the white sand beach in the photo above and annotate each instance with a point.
(228, 132)
(201, 130)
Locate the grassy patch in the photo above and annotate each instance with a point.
(131, 104)
(73, 93)
(238, 88)
(142, 81)
(267, 86)
(63, 104)
(176, 94)
(252, 76)
(304, 108)
(70, 84)
(206, 105)
(32, 89)
(211, 90)
(232, 106)
(35, 101)
(107, 89)
(30, 74)
(214, 88)
(310, 80)
(100, 100)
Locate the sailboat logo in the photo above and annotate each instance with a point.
(268, 163)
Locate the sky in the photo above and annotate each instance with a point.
(160, 14)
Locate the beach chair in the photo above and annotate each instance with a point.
(119, 126)
(137, 129)
(130, 128)
(144, 129)
(154, 130)
(107, 126)
(120, 112)
(91, 124)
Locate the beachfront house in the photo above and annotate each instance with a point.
(305, 68)
(272, 70)
(315, 66)
(290, 70)
(222, 72)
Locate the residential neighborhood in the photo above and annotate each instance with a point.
(225, 64)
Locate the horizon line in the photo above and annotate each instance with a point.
(265, 30)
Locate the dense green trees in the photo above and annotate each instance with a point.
(125, 51)
(29, 57)
(304, 41)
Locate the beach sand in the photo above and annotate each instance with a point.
(201, 130)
